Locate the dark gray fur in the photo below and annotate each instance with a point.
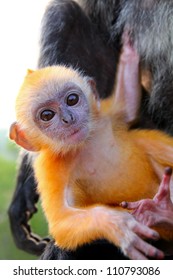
(103, 13)
(69, 37)
(150, 23)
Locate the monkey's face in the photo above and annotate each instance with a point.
(64, 114)
(54, 108)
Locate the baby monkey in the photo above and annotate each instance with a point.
(88, 161)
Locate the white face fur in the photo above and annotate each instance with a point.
(58, 109)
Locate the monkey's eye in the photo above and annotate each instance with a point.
(72, 99)
(47, 115)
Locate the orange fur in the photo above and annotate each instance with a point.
(72, 227)
(80, 189)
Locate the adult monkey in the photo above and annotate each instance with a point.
(88, 37)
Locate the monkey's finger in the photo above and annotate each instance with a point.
(130, 205)
(28, 242)
(145, 231)
(148, 250)
(37, 238)
(29, 213)
(141, 250)
(164, 188)
(135, 254)
(32, 246)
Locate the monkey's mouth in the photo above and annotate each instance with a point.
(77, 135)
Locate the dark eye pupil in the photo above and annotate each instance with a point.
(47, 115)
(72, 99)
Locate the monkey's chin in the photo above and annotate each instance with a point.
(78, 136)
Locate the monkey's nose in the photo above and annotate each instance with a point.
(67, 118)
(64, 120)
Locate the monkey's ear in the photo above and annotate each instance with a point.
(18, 135)
(92, 84)
(29, 71)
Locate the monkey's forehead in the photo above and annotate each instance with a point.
(57, 74)
(47, 84)
(50, 79)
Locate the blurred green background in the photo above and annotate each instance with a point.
(8, 171)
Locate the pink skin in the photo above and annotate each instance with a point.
(128, 88)
(128, 93)
(157, 212)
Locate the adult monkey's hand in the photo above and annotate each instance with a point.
(22, 208)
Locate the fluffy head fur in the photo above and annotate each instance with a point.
(39, 88)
